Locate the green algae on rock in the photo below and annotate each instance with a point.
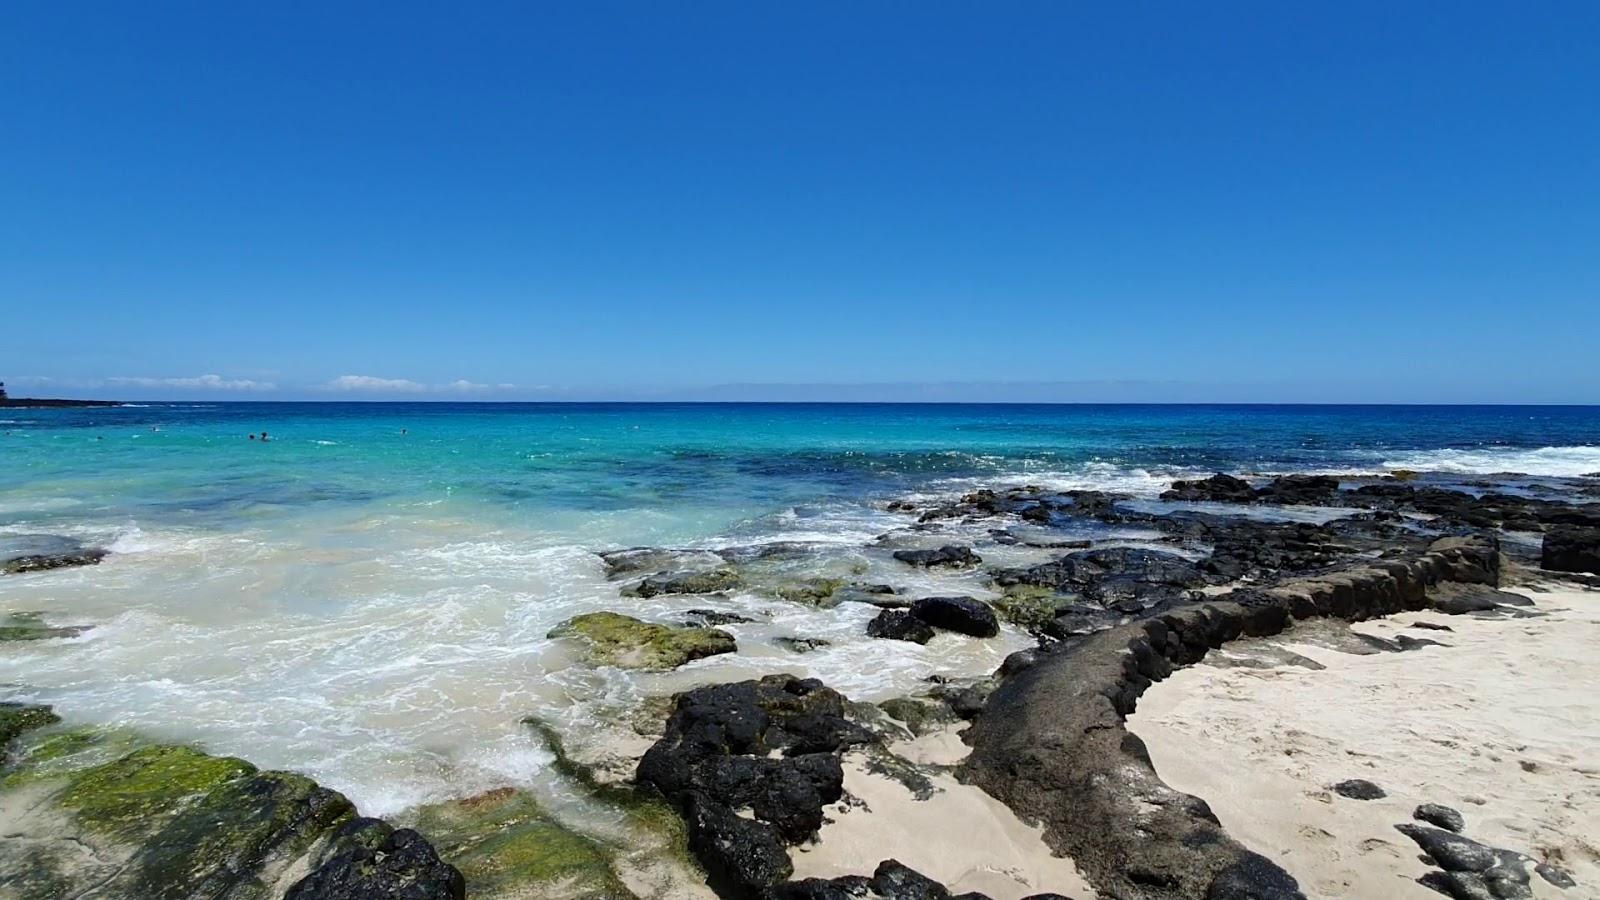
(90, 810)
(56, 753)
(506, 845)
(1027, 606)
(686, 583)
(812, 591)
(920, 716)
(17, 718)
(30, 626)
(617, 640)
(129, 794)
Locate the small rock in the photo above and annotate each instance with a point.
(899, 625)
(710, 618)
(960, 614)
(879, 595)
(1451, 851)
(686, 583)
(1460, 599)
(949, 555)
(617, 640)
(1442, 816)
(22, 553)
(801, 644)
(1359, 789)
(1555, 875)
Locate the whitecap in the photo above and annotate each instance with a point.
(1548, 461)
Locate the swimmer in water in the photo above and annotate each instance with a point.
(252, 435)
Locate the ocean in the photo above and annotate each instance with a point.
(365, 597)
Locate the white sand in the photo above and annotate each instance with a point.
(1503, 725)
(959, 836)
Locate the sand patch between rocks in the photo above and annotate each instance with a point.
(959, 836)
(1502, 724)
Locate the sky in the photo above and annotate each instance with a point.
(1267, 201)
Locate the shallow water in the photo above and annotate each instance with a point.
(370, 606)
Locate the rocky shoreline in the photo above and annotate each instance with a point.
(736, 778)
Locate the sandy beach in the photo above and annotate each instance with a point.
(1498, 723)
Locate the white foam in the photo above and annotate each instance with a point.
(1549, 461)
(1092, 476)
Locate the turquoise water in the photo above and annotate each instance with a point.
(696, 468)
(366, 596)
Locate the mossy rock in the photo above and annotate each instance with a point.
(920, 716)
(224, 840)
(161, 822)
(18, 718)
(812, 592)
(686, 583)
(30, 626)
(506, 845)
(55, 753)
(617, 640)
(1027, 606)
(128, 795)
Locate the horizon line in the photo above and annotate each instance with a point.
(134, 403)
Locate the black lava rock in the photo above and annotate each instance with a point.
(950, 555)
(1308, 490)
(892, 880)
(1359, 789)
(401, 865)
(1571, 548)
(960, 614)
(1219, 488)
(22, 553)
(802, 644)
(899, 625)
(751, 765)
(1109, 574)
(1451, 851)
(1441, 816)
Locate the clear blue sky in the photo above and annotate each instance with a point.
(1228, 201)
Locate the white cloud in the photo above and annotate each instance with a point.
(463, 386)
(203, 382)
(371, 383)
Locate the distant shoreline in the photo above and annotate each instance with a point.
(43, 403)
